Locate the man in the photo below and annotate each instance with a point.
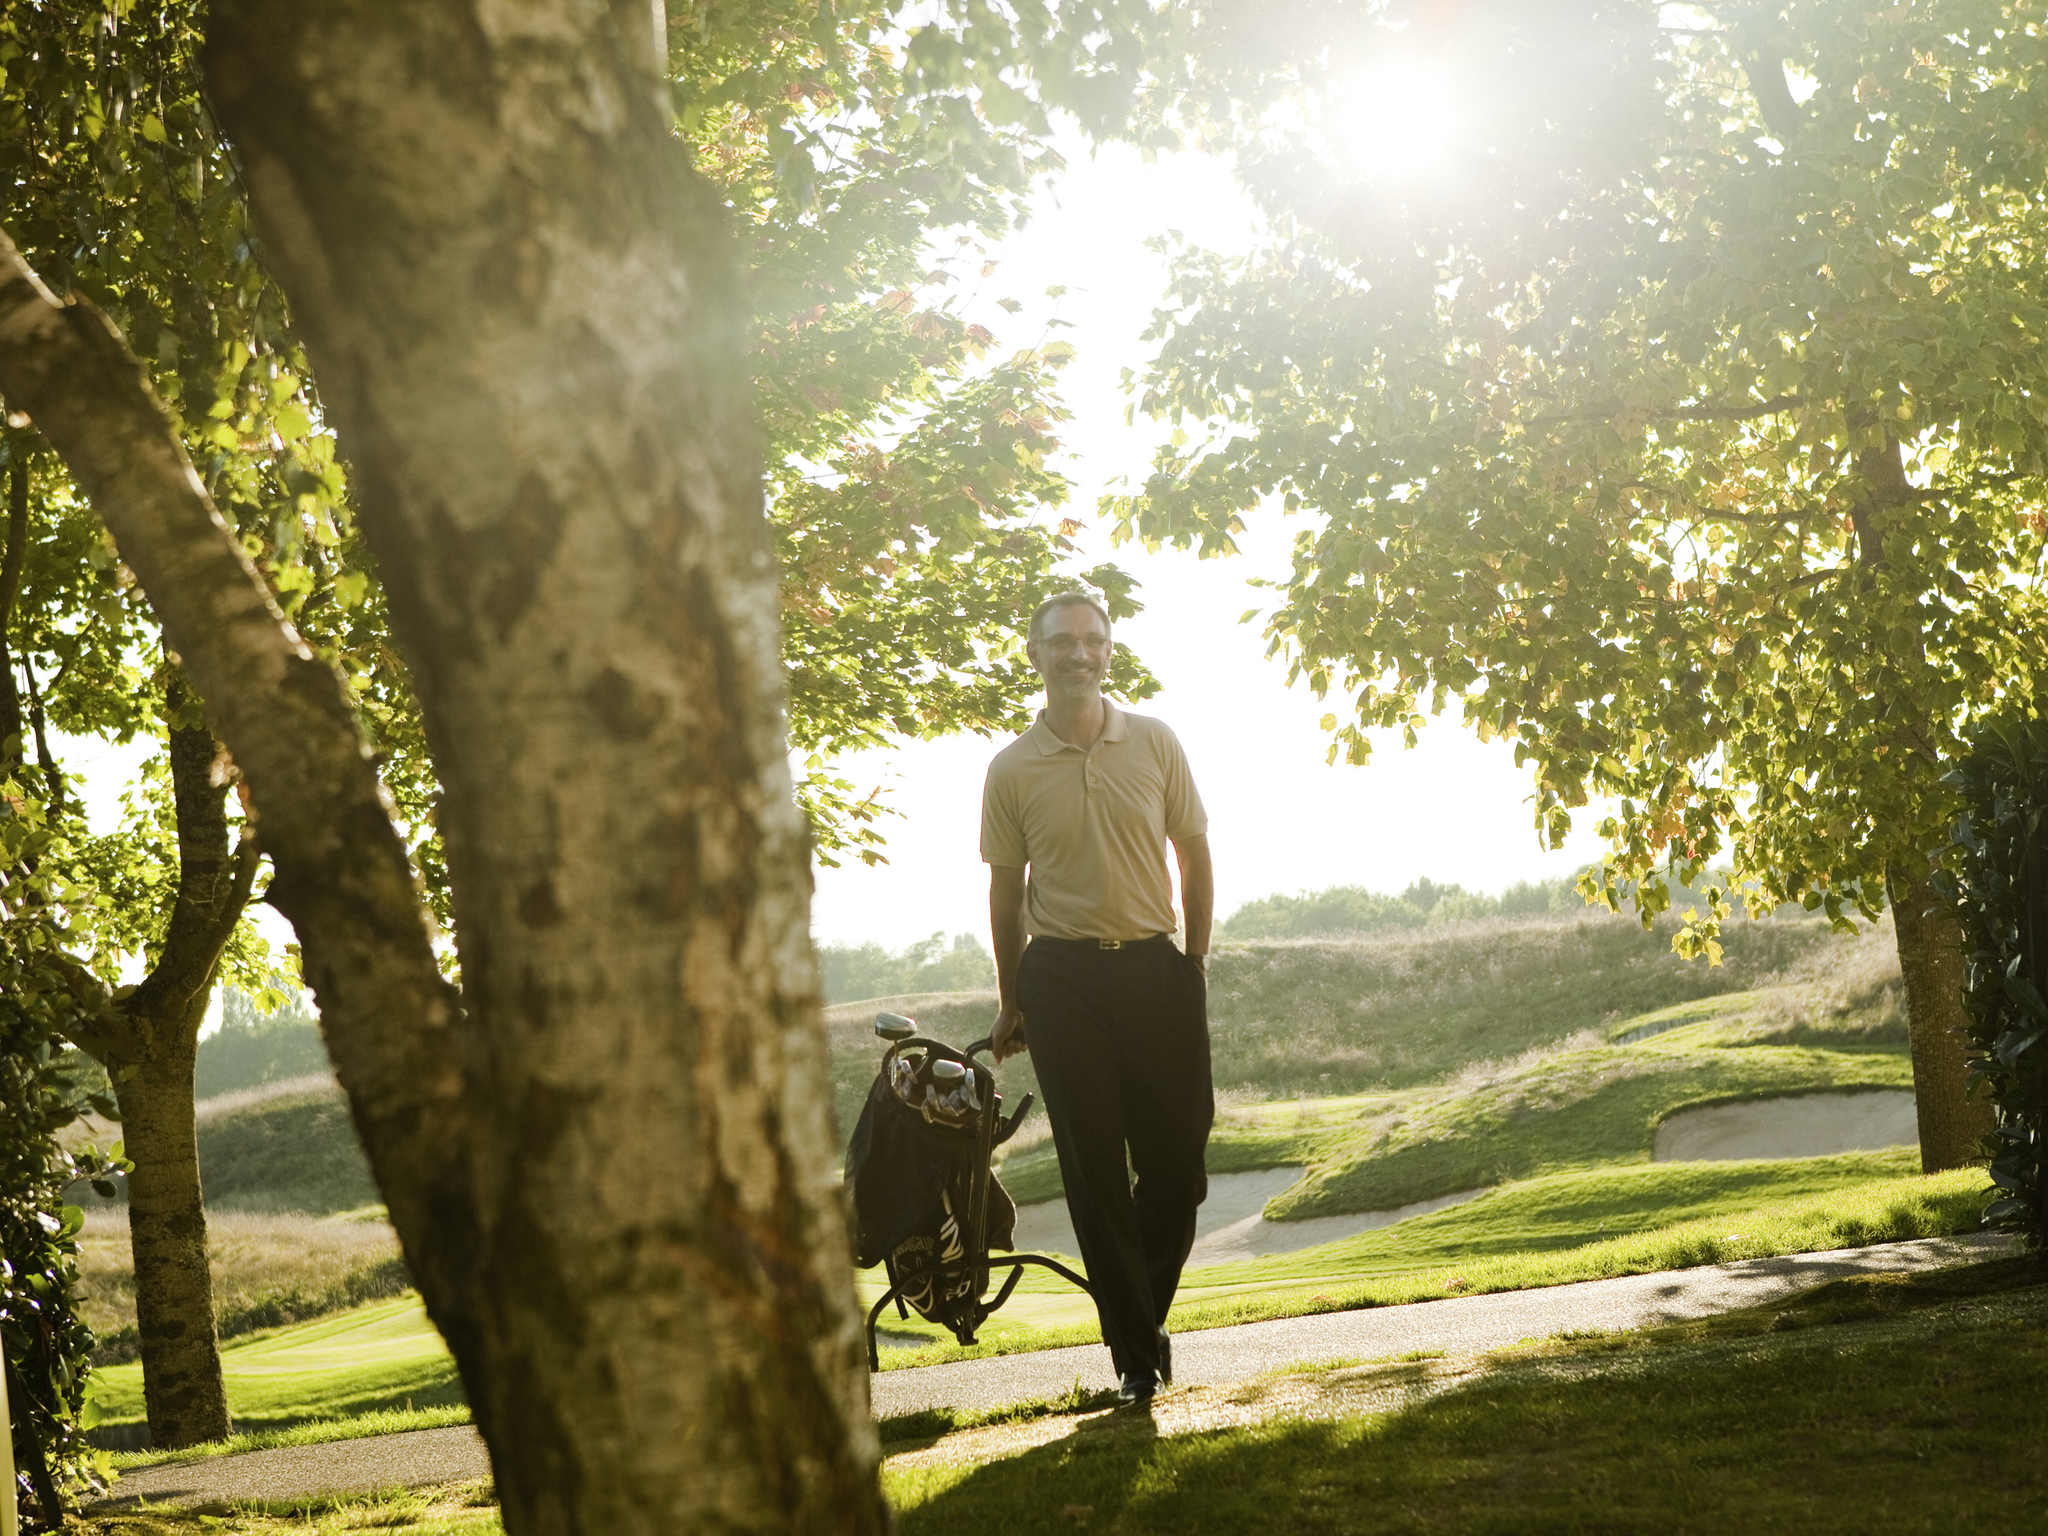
(1075, 819)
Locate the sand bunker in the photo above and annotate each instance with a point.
(1799, 1125)
(1230, 1225)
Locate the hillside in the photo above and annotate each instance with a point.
(1352, 1014)
(1321, 1017)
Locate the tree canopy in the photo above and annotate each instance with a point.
(1684, 428)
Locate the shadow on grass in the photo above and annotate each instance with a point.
(1892, 1407)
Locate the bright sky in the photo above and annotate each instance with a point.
(1280, 819)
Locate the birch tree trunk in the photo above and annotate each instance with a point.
(611, 1166)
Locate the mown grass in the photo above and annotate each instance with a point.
(368, 1360)
(269, 1268)
(1902, 1418)
(1591, 1104)
(1589, 1224)
(1572, 1105)
(1904, 1404)
(1579, 1226)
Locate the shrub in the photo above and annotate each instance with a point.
(44, 1341)
(1999, 880)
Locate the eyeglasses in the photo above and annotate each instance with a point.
(1066, 645)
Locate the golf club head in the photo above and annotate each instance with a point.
(893, 1026)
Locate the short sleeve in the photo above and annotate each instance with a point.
(1185, 817)
(1002, 830)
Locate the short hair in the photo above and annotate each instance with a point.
(1063, 600)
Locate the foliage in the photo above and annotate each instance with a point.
(1999, 880)
(848, 973)
(908, 478)
(45, 1341)
(1679, 428)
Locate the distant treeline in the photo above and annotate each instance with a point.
(937, 964)
(1354, 909)
(251, 1048)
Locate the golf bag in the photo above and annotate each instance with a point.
(925, 1203)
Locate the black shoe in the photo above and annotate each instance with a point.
(1137, 1389)
(1165, 1358)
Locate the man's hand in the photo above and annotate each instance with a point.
(1007, 1039)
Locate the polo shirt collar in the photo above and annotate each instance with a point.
(1115, 726)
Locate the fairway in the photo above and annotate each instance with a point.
(385, 1355)
(1579, 1225)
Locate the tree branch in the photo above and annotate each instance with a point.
(1774, 101)
(39, 723)
(95, 1024)
(1705, 411)
(13, 555)
(213, 882)
(343, 878)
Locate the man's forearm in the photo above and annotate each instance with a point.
(1006, 930)
(1197, 895)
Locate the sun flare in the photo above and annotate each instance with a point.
(1394, 120)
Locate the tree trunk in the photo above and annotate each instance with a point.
(522, 310)
(613, 1167)
(1952, 1121)
(181, 1376)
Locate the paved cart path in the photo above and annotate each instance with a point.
(1460, 1326)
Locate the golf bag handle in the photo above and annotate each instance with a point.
(1007, 1128)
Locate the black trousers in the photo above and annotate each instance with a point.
(1120, 1042)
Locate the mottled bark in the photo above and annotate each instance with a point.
(520, 306)
(518, 302)
(1953, 1122)
(182, 1387)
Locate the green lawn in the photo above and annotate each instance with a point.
(1564, 1227)
(1899, 1404)
(1917, 1411)
(1587, 1224)
(383, 1356)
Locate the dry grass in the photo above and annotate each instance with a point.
(266, 1267)
(247, 1098)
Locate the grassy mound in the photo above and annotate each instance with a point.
(294, 1150)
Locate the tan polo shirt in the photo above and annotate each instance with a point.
(1092, 826)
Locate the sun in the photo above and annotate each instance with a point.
(1394, 120)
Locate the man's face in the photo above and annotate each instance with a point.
(1072, 649)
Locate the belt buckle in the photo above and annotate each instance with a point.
(1109, 943)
